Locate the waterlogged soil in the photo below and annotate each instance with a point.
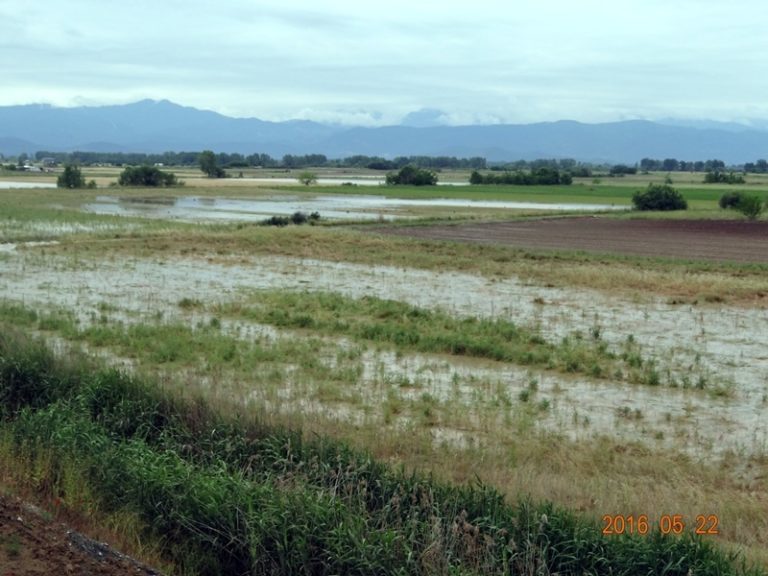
(192, 208)
(11, 185)
(717, 240)
(12, 230)
(31, 543)
(720, 349)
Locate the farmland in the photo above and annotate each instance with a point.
(434, 353)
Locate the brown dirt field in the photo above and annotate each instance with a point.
(32, 544)
(717, 240)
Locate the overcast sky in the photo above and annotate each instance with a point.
(371, 63)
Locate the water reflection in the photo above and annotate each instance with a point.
(341, 207)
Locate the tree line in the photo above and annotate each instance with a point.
(260, 160)
(236, 160)
(542, 176)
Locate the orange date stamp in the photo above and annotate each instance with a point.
(619, 524)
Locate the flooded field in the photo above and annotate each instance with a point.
(193, 208)
(711, 360)
(627, 396)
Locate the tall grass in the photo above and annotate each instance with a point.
(230, 496)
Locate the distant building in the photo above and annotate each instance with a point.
(48, 162)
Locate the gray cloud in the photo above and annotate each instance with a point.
(486, 61)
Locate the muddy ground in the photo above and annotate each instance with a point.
(718, 240)
(31, 543)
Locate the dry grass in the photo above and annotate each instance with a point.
(631, 276)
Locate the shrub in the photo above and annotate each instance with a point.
(622, 169)
(297, 218)
(147, 176)
(279, 221)
(659, 197)
(412, 176)
(718, 177)
(750, 206)
(730, 199)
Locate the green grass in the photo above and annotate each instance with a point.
(436, 331)
(229, 496)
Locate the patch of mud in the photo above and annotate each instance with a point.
(35, 544)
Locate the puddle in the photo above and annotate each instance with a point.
(726, 345)
(192, 208)
(9, 185)
(372, 181)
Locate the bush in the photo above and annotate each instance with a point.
(412, 176)
(150, 176)
(279, 221)
(718, 177)
(297, 218)
(71, 178)
(730, 199)
(750, 206)
(659, 197)
(622, 169)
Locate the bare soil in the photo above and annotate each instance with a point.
(717, 240)
(31, 543)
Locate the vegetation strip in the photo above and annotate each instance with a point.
(230, 496)
(436, 331)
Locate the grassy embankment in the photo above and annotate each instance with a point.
(228, 494)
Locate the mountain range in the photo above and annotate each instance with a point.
(159, 126)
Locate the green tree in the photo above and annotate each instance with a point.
(71, 178)
(475, 178)
(209, 165)
(307, 177)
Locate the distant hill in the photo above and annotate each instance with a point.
(159, 126)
